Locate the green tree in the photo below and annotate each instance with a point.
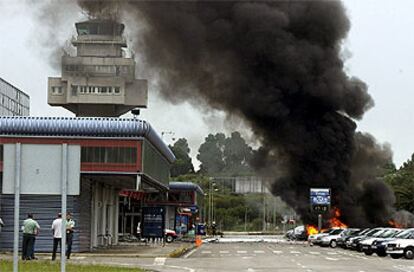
(236, 155)
(210, 154)
(183, 164)
(402, 182)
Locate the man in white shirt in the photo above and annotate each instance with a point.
(57, 234)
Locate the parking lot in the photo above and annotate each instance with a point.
(262, 256)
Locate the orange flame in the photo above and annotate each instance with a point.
(335, 222)
(394, 224)
(311, 230)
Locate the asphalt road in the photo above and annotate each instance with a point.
(257, 257)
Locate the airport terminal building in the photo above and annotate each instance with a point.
(99, 158)
(13, 102)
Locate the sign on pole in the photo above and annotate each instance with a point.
(153, 223)
(320, 199)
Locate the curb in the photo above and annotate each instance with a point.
(179, 252)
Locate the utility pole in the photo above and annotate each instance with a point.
(264, 208)
(245, 219)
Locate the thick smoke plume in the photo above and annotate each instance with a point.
(278, 66)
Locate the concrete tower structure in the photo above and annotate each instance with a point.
(99, 80)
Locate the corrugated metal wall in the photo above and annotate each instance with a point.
(45, 209)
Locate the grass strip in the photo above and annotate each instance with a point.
(48, 266)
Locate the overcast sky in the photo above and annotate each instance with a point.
(379, 46)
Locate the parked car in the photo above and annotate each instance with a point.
(289, 234)
(299, 233)
(401, 246)
(330, 239)
(379, 246)
(314, 237)
(353, 243)
(347, 234)
(366, 244)
(170, 235)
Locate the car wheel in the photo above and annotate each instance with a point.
(359, 248)
(169, 239)
(333, 244)
(381, 253)
(368, 252)
(396, 256)
(409, 253)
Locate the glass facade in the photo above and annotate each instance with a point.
(13, 102)
(98, 154)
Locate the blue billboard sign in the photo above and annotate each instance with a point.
(320, 196)
(153, 222)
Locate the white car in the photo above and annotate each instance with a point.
(330, 240)
(387, 233)
(402, 246)
(314, 238)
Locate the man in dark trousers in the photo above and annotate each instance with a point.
(57, 234)
(30, 230)
(70, 225)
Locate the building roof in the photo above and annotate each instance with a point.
(14, 87)
(88, 127)
(185, 186)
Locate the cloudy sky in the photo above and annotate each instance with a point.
(379, 49)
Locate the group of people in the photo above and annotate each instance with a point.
(31, 229)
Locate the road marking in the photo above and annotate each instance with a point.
(191, 252)
(250, 270)
(277, 252)
(241, 251)
(159, 261)
(259, 251)
(331, 259)
(314, 252)
(247, 257)
(181, 268)
(205, 252)
(332, 253)
(295, 252)
(224, 252)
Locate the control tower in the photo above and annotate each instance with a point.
(99, 80)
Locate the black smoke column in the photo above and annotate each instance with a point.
(278, 66)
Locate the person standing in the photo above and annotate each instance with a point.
(70, 225)
(1, 224)
(30, 229)
(57, 234)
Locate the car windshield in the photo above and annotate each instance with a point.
(405, 234)
(350, 232)
(327, 231)
(337, 231)
(363, 232)
(372, 232)
(388, 233)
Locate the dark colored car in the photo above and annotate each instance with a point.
(347, 233)
(354, 242)
(386, 234)
(348, 239)
(380, 246)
